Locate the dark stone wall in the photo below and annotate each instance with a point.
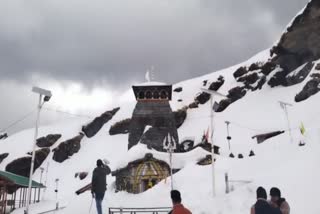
(158, 115)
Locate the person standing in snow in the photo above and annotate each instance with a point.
(178, 208)
(99, 183)
(262, 206)
(277, 201)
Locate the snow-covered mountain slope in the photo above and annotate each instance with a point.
(278, 162)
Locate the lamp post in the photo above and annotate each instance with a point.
(212, 93)
(284, 106)
(44, 96)
(170, 145)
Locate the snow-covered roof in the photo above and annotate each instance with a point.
(151, 84)
(179, 160)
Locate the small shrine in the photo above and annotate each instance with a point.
(141, 175)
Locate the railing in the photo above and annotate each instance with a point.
(155, 210)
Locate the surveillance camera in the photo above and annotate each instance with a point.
(47, 98)
(46, 93)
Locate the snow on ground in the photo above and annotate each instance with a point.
(277, 162)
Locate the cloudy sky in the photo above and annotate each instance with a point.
(89, 52)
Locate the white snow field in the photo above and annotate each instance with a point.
(278, 162)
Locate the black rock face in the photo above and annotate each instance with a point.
(240, 72)
(3, 156)
(193, 105)
(22, 165)
(179, 89)
(233, 95)
(300, 76)
(67, 148)
(94, 127)
(180, 116)
(48, 141)
(159, 116)
(3, 136)
(311, 88)
(249, 79)
(215, 86)
(299, 45)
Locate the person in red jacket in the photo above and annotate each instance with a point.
(178, 207)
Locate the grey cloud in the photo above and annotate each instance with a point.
(90, 41)
(114, 42)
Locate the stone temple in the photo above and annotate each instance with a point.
(152, 118)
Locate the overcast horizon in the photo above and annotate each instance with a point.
(89, 53)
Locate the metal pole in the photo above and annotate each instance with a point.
(171, 171)
(287, 115)
(228, 132)
(212, 149)
(33, 156)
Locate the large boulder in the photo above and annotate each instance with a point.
(48, 141)
(3, 156)
(94, 127)
(67, 148)
(21, 166)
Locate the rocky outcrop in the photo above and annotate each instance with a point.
(3, 156)
(193, 105)
(121, 127)
(249, 79)
(22, 165)
(311, 88)
(48, 141)
(81, 175)
(186, 145)
(67, 148)
(3, 136)
(204, 97)
(178, 89)
(300, 76)
(180, 116)
(299, 45)
(215, 86)
(234, 94)
(240, 72)
(94, 127)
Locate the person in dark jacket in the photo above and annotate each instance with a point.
(262, 206)
(278, 202)
(99, 183)
(178, 208)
